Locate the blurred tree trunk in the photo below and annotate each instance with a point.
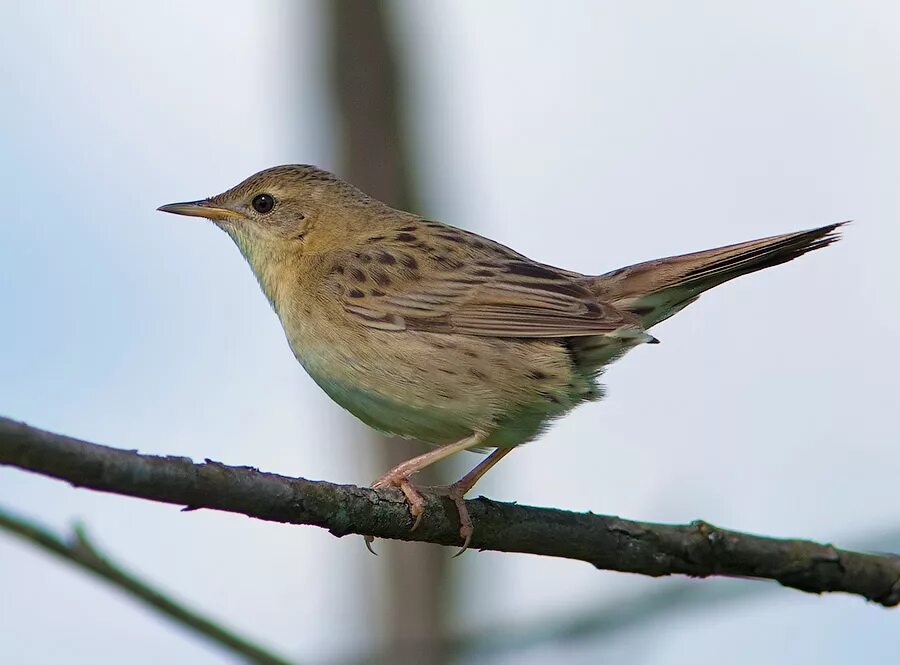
(374, 157)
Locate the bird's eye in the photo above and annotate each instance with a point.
(263, 203)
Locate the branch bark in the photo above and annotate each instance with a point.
(698, 549)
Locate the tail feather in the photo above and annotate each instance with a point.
(655, 290)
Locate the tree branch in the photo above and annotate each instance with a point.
(80, 551)
(698, 549)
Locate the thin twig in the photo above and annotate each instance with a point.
(80, 551)
(697, 549)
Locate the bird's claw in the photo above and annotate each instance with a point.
(456, 493)
(467, 538)
(414, 500)
(417, 522)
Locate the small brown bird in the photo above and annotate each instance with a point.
(426, 331)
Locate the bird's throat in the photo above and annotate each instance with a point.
(268, 261)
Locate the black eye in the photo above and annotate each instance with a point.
(263, 203)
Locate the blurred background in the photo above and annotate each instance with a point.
(587, 135)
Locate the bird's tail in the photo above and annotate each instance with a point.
(655, 290)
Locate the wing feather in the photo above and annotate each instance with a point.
(490, 292)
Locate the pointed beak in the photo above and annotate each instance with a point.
(201, 208)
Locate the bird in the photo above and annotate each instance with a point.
(427, 331)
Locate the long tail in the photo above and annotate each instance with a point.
(655, 290)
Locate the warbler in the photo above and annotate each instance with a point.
(427, 331)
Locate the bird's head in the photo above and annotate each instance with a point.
(284, 213)
(280, 206)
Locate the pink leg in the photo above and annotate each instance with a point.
(457, 492)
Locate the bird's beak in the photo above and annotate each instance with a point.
(201, 208)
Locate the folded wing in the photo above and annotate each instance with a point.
(496, 297)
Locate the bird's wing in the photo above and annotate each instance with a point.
(444, 286)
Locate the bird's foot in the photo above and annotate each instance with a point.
(456, 493)
(399, 477)
(414, 499)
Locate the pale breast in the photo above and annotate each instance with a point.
(437, 388)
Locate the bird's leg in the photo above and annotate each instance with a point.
(399, 475)
(457, 492)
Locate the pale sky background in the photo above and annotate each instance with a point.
(584, 134)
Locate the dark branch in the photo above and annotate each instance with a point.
(698, 549)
